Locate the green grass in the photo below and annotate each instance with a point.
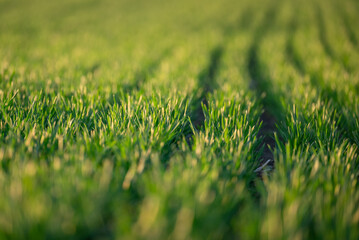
(179, 119)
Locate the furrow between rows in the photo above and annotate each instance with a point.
(261, 84)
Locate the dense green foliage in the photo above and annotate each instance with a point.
(179, 119)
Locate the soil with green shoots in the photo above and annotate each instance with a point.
(179, 119)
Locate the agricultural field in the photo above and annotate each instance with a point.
(150, 119)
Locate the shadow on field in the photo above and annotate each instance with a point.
(207, 83)
(261, 84)
(324, 40)
(347, 27)
(292, 55)
(322, 33)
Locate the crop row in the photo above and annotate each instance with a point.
(175, 120)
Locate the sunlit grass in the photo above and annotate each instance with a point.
(179, 120)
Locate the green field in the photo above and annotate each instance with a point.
(179, 119)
